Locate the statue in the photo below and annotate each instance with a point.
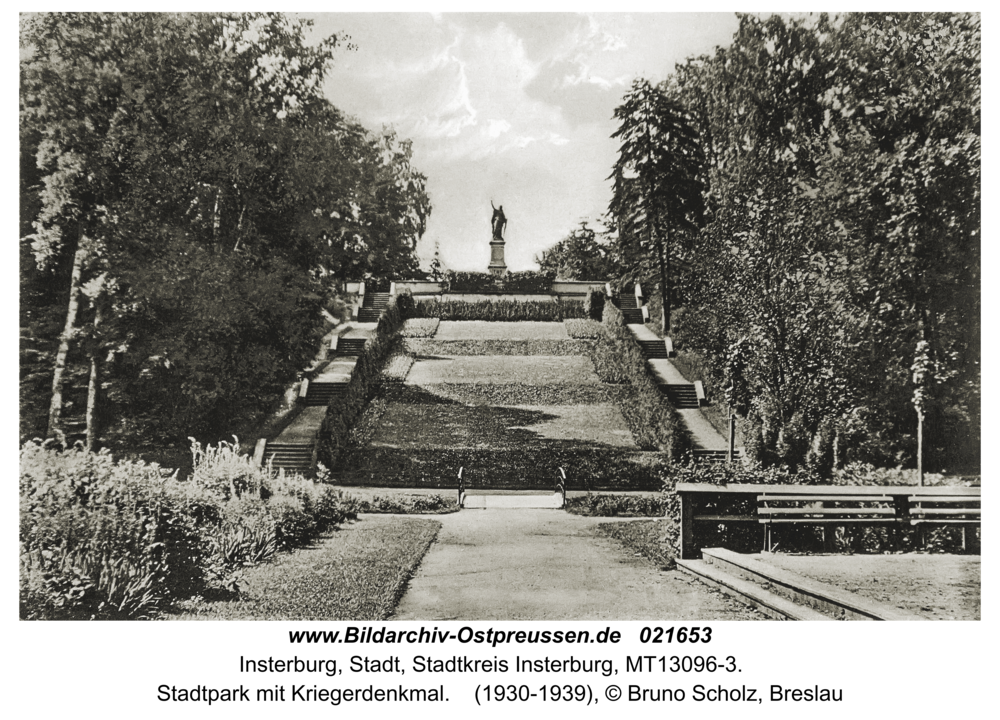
(498, 222)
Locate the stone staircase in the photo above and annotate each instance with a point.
(348, 347)
(681, 396)
(322, 393)
(654, 349)
(291, 457)
(631, 310)
(372, 307)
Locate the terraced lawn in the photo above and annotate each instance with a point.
(478, 330)
(497, 426)
(503, 370)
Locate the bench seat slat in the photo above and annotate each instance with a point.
(727, 518)
(838, 521)
(824, 498)
(945, 521)
(945, 511)
(826, 511)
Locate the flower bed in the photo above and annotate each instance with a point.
(420, 327)
(115, 540)
(583, 329)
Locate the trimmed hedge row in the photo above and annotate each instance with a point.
(341, 414)
(618, 359)
(527, 282)
(517, 468)
(501, 310)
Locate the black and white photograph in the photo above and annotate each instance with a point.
(499, 316)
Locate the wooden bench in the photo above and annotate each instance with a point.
(961, 510)
(829, 510)
(827, 506)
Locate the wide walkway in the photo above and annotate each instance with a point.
(548, 565)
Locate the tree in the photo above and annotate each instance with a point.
(581, 255)
(657, 177)
(151, 131)
(840, 262)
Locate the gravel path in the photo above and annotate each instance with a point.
(548, 565)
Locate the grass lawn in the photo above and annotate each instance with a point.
(356, 573)
(646, 537)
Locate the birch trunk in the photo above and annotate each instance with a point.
(55, 406)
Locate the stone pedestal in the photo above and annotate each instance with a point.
(497, 265)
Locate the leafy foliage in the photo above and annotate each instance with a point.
(102, 539)
(195, 191)
(839, 275)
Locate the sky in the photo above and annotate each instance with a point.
(513, 108)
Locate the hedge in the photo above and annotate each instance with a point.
(533, 468)
(593, 304)
(527, 282)
(344, 411)
(617, 358)
(501, 310)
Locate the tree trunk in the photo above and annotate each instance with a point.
(93, 388)
(55, 406)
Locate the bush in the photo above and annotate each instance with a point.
(408, 504)
(108, 540)
(105, 540)
(593, 304)
(601, 505)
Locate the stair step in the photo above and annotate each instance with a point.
(367, 315)
(627, 302)
(654, 349)
(376, 300)
(683, 397)
(289, 456)
(351, 346)
(769, 603)
(321, 393)
(822, 597)
(633, 317)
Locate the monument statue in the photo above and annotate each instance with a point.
(498, 222)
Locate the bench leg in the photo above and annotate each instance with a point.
(973, 547)
(829, 538)
(687, 528)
